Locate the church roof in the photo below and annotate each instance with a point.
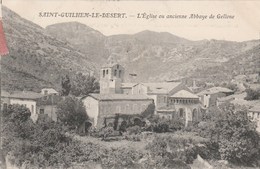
(161, 88)
(184, 94)
(110, 97)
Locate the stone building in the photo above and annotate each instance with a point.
(184, 106)
(47, 105)
(111, 78)
(25, 98)
(209, 96)
(103, 108)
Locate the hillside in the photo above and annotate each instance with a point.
(37, 59)
(160, 56)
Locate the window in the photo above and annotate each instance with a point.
(181, 112)
(119, 73)
(104, 73)
(118, 109)
(115, 72)
(107, 71)
(41, 111)
(127, 108)
(165, 99)
(117, 66)
(5, 107)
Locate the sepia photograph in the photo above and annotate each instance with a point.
(129, 84)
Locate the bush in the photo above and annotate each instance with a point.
(232, 135)
(71, 112)
(177, 147)
(252, 94)
(133, 130)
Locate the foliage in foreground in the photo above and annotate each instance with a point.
(233, 135)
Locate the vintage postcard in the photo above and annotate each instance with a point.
(130, 84)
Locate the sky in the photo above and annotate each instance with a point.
(244, 26)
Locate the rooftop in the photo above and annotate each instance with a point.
(233, 96)
(22, 95)
(184, 94)
(128, 85)
(161, 88)
(214, 90)
(109, 97)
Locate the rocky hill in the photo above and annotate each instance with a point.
(37, 59)
(158, 56)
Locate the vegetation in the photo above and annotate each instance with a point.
(232, 135)
(82, 85)
(252, 94)
(71, 113)
(66, 85)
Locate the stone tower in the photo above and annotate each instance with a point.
(111, 78)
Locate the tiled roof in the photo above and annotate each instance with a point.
(161, 88)
(184, 94)
(119, 97)
(128, 85)
(233, 96)
(22, 95)
(214, 90)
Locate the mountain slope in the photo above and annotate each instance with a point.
(37, 59)
(156, 56)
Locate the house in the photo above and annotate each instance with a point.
(103, 109)
(49, 90)
(209, 96)
(47, 105)
(231, 98)
(25, 98)
(254, 113)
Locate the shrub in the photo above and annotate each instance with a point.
(252, 94)
(71, 112)
(133, 130)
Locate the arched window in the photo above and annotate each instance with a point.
(181, 112)
(194, 114)
(104, 73)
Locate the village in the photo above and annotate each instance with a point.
(119, 98)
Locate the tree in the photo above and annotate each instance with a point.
(83, 85)
(238, 139)
(71, 112)
(66, 86)
(252, 94)
(233, 134)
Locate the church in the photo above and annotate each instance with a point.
(120, 99)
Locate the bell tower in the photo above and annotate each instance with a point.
(111, 77)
